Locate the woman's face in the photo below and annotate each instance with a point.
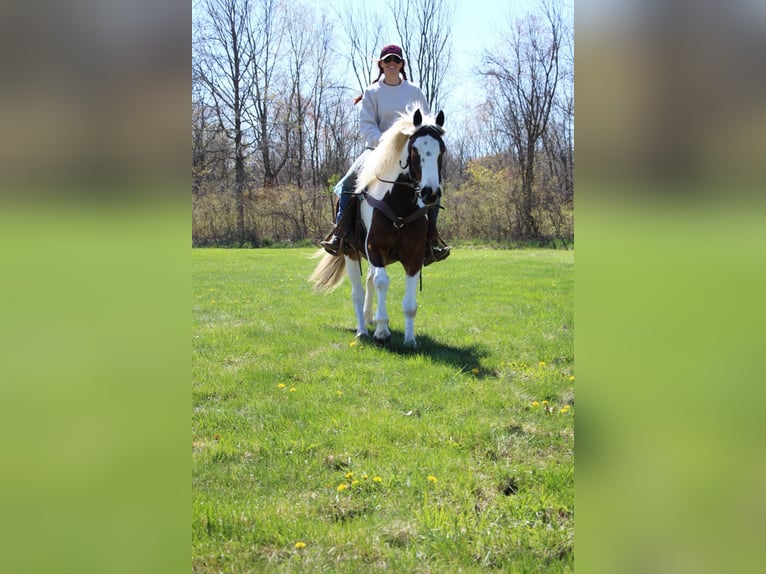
(391, 64)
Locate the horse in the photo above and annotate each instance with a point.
(397, 183)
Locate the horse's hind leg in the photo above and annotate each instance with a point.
(369, 295)
(380, 280)
(410, 308)
(357, 294)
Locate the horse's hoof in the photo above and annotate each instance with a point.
(382, 341)
(362, 335)
(411, 343)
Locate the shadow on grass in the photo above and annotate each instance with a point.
(463, 358)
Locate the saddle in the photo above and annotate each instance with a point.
(351, 227)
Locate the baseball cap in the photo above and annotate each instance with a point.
(391, 49)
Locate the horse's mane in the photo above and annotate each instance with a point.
(384, 159)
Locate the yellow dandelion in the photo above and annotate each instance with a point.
(535, 403)
(354, 482)
(541, 363)
(475, 371)
(341, 487)
(300, 545)
(432, 479)
(352, 344)
(571, 377)
(338, 393)
(364, 476)
(281, 385)
(349, 475)
(292, 389)
(545, 402)
(377, 479)
(564, 409)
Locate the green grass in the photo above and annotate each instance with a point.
(288, 406)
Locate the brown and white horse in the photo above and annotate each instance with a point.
(399, 180)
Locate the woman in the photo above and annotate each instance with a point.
(382, 102)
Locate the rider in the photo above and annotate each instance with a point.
(381, 104)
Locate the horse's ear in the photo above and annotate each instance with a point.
(417, 119)
(440, 118)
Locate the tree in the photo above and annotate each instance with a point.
(424, 28)
(524, 75)
(267, 34)
(223, 57)
(362, 34)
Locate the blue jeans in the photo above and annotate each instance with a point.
(345, 187)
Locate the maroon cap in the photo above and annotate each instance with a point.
(389, 50)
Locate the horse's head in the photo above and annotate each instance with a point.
(424, 156)
(409, 154)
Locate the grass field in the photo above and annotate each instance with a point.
(313, 451)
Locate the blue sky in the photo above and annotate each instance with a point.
(476, 27)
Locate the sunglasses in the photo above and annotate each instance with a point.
(392, 58)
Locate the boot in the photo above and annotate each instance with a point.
(437, 250)
(332, 245)
(339, 234)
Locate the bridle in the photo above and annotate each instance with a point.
(414, 182)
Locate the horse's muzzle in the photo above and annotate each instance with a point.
(429, 195)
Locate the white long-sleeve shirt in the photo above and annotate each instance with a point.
(381, 105)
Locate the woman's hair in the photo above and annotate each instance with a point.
(380, 69)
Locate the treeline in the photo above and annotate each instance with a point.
(274, 126)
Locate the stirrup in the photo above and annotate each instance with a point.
(436, 252)
(333, 244)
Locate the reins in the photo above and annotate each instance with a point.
(425, 130)
(413, 184)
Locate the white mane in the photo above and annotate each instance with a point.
(383, 161)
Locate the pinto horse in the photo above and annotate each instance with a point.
(397, 183)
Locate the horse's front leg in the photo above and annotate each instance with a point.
(369, 295)
(381, 281)
(357, 294)
(410, 308)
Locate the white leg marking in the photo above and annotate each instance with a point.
(369, 295)
(357, 294)
(381, 282)
(410, 308)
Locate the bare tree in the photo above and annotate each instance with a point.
(223, 57)
(424, 28)
(525, 72)
(266, 36)
(362, 41)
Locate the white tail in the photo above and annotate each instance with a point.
(329, 273)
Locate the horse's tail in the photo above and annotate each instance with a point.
(329, 273)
